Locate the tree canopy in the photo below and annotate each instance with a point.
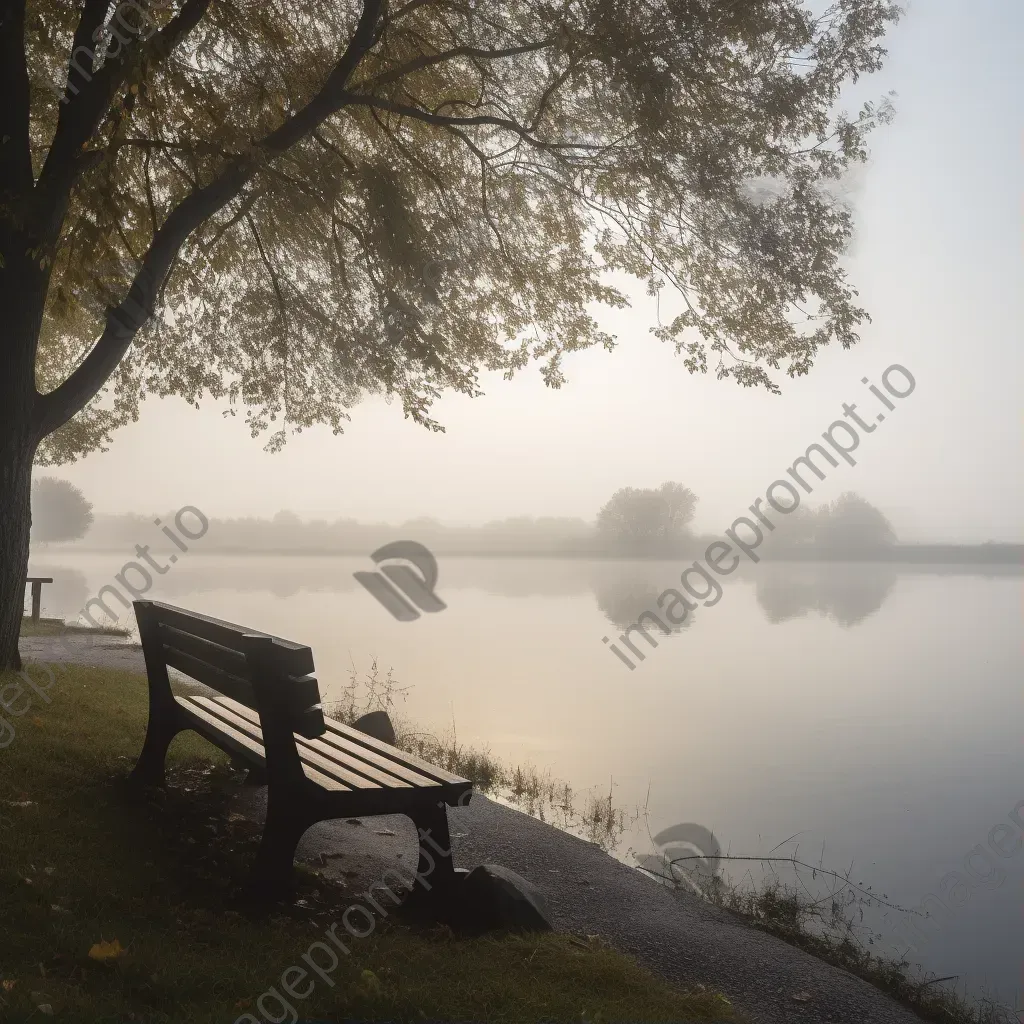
(59, 511)
(319, 201)
(646, 520)
(852, 523)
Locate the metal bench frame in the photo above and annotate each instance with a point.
(309, 779)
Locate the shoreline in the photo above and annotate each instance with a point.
(680, 936)
(995, 566)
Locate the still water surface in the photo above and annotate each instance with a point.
(875, 711)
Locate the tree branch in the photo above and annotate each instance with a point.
(15, 150)
(80, 115)
(432, 59)
(123, 322)
(359, 99)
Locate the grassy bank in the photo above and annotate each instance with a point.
(829, 927)
(55, 627)
(84, 862)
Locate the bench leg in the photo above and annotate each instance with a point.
(436, 869)
(149, 770)
(272, 872)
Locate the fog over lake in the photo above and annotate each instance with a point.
(872, 709)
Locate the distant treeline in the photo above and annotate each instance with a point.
(286, 533)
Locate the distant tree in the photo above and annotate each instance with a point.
(287, 518)
(647, 520)
(793, 531)
(59, 511)
(851, 523)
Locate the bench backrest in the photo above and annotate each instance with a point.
(266, 673)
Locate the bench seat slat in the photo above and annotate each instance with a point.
(384, 771)
(354, 775)
(385, 766)
(341, 747)
(402, 756)
(221, 734)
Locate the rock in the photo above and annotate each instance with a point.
(378, 725)
(492, 896)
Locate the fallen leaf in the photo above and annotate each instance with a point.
(7, 984)
(104, 951)
(802, 997)
(385, 832)
(370, 980)
(36, 721)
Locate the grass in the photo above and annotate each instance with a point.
(84, 861)
(55, 627)
(826, 923)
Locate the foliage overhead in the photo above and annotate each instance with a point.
(370, 197)
(59, 511)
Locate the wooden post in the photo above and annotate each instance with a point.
(37, 593)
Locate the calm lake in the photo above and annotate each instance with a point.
(872, 712)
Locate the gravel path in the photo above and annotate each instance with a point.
(82, 649)
(589, 893)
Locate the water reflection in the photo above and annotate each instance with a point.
(846, 594)
(622, 602)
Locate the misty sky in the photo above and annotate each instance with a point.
(937, 259)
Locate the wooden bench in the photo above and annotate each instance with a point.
(37, 593)
(269, 717)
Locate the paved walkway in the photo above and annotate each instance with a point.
(675, 934)
(82, 649)
(589, 893)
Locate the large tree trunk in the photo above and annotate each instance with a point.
(16, 454)
(21, 301)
